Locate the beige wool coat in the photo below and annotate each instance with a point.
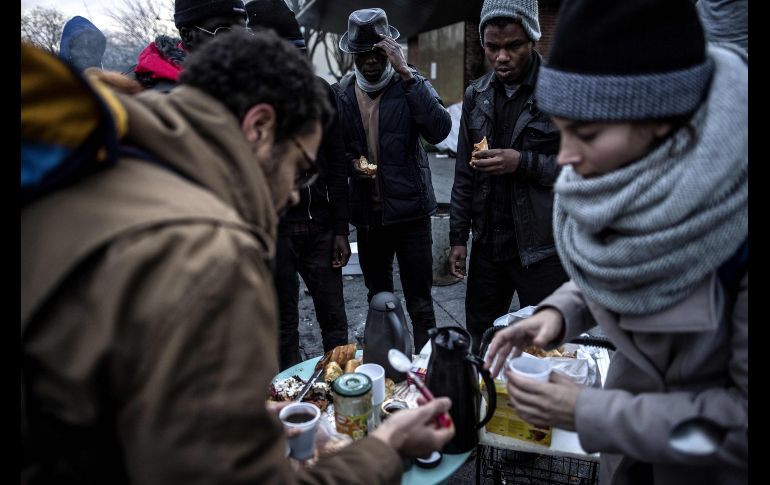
(688, 361)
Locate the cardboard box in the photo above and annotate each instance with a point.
(506, 422)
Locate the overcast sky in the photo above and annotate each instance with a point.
(93, 10)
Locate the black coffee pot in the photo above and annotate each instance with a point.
(453, 372)
(386, 329)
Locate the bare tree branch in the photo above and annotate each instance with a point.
(141, 21)
(42, 26)
(343, 62)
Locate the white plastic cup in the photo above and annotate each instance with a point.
(301, 446)
(377, 374)
(531, 368)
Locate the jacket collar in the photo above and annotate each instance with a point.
(199, 137)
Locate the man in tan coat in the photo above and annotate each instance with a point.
(149, 322)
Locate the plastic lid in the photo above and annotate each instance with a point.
(431, 461)
(384, 301)
(452, 338)
(352, 384)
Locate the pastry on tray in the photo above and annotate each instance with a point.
(343, 353)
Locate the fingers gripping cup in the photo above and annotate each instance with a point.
(531, 368)
(304, 417)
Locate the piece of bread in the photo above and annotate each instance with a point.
(332, 371)
(390, 386)
(351, 365)
(348, 352)
(341, 354)
(477, 147)
(364, 166)
(539, 352)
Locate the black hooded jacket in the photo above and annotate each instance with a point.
(326, 201)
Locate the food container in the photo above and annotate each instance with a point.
(507, 422)
(390, 406)
(353, 404)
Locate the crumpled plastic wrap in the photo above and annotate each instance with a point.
(582, 369)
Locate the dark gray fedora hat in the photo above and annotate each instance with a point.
(364, 27)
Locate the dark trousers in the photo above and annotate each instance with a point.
(491, 285)
(307, 249)
(411, 242)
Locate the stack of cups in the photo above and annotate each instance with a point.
(531, 368)
(377, 374)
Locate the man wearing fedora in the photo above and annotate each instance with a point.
(385, 106)
(505, 194)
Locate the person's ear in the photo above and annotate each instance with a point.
(258, 125)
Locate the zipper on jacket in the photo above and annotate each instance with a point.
(310, 201)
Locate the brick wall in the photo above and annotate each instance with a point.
(547, 15)
(474, 61)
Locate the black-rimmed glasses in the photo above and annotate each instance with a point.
(305, 178)
(221, 30)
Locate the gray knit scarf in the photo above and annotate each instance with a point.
(640, 239)
(370, 87)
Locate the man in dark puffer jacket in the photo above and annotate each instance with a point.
(385, 106)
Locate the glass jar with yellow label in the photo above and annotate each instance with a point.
(353, 404)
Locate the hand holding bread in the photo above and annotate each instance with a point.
(363, 167)
(477, 147)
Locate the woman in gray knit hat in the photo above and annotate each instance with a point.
(651, 224)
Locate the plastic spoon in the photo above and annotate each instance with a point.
(401, 363)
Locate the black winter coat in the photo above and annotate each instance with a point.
(537, 139)
(326, 201)
(407, 110)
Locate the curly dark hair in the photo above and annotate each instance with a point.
(242, 69)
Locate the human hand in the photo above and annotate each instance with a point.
(274, 408)
(392, 49)
(358, 173)
(457, 257)
(413, 432)
(496, 161)
(340, 251)
(544, 403)
(540, 329)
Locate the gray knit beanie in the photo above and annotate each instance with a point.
(625, 60)
(526, 10)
